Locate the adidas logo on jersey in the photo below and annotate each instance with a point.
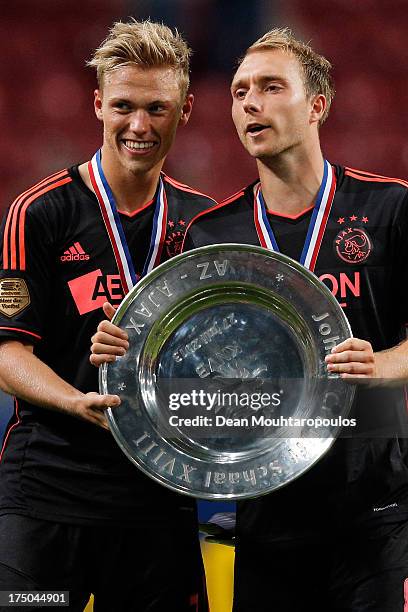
(74, 253)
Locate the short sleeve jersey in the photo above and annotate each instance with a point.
(363, 260)
(57, 269)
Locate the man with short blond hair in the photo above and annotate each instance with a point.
(335, 540)
(145, 44)
(75, 514)
(316, 69)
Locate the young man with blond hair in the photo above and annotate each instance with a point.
(335, 540)
(75, 514)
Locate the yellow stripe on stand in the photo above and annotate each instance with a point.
(219, 571)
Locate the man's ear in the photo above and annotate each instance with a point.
(318, 107)
(186, 109)
(98, 103)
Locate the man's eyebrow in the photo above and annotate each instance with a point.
(237, 83)
(118, 98)
(128, 100)
(263, 79)
(272, 77)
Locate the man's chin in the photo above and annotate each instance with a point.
(260, 152)
(270, 155)
(141, 166)
(264, 155)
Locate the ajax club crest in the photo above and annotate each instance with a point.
(175, 236)
(353, 244)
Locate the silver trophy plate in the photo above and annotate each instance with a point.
(224, 389)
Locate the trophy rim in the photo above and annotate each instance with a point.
(225, 246)
(132, 296)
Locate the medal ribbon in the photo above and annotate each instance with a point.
(317, 225)
(113, 225)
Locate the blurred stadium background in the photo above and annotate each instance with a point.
(46, 92)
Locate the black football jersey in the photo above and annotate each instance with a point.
(363, 259)
(57, 269)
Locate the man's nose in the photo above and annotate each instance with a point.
(139, 122)
(252, 102)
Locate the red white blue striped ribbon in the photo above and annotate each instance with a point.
(114, 227)
(317, 225)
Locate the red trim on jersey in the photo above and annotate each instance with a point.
(234, 196)
(276, 214)
(15, 205)
(180, 185)
(208, 210)
(375, 178)
(183, 187)
(162, 231)
(3, 448)
(13, 220)
(23, 331)
(135, 212)
(23, 215)
(364, 172)
(16, 219)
